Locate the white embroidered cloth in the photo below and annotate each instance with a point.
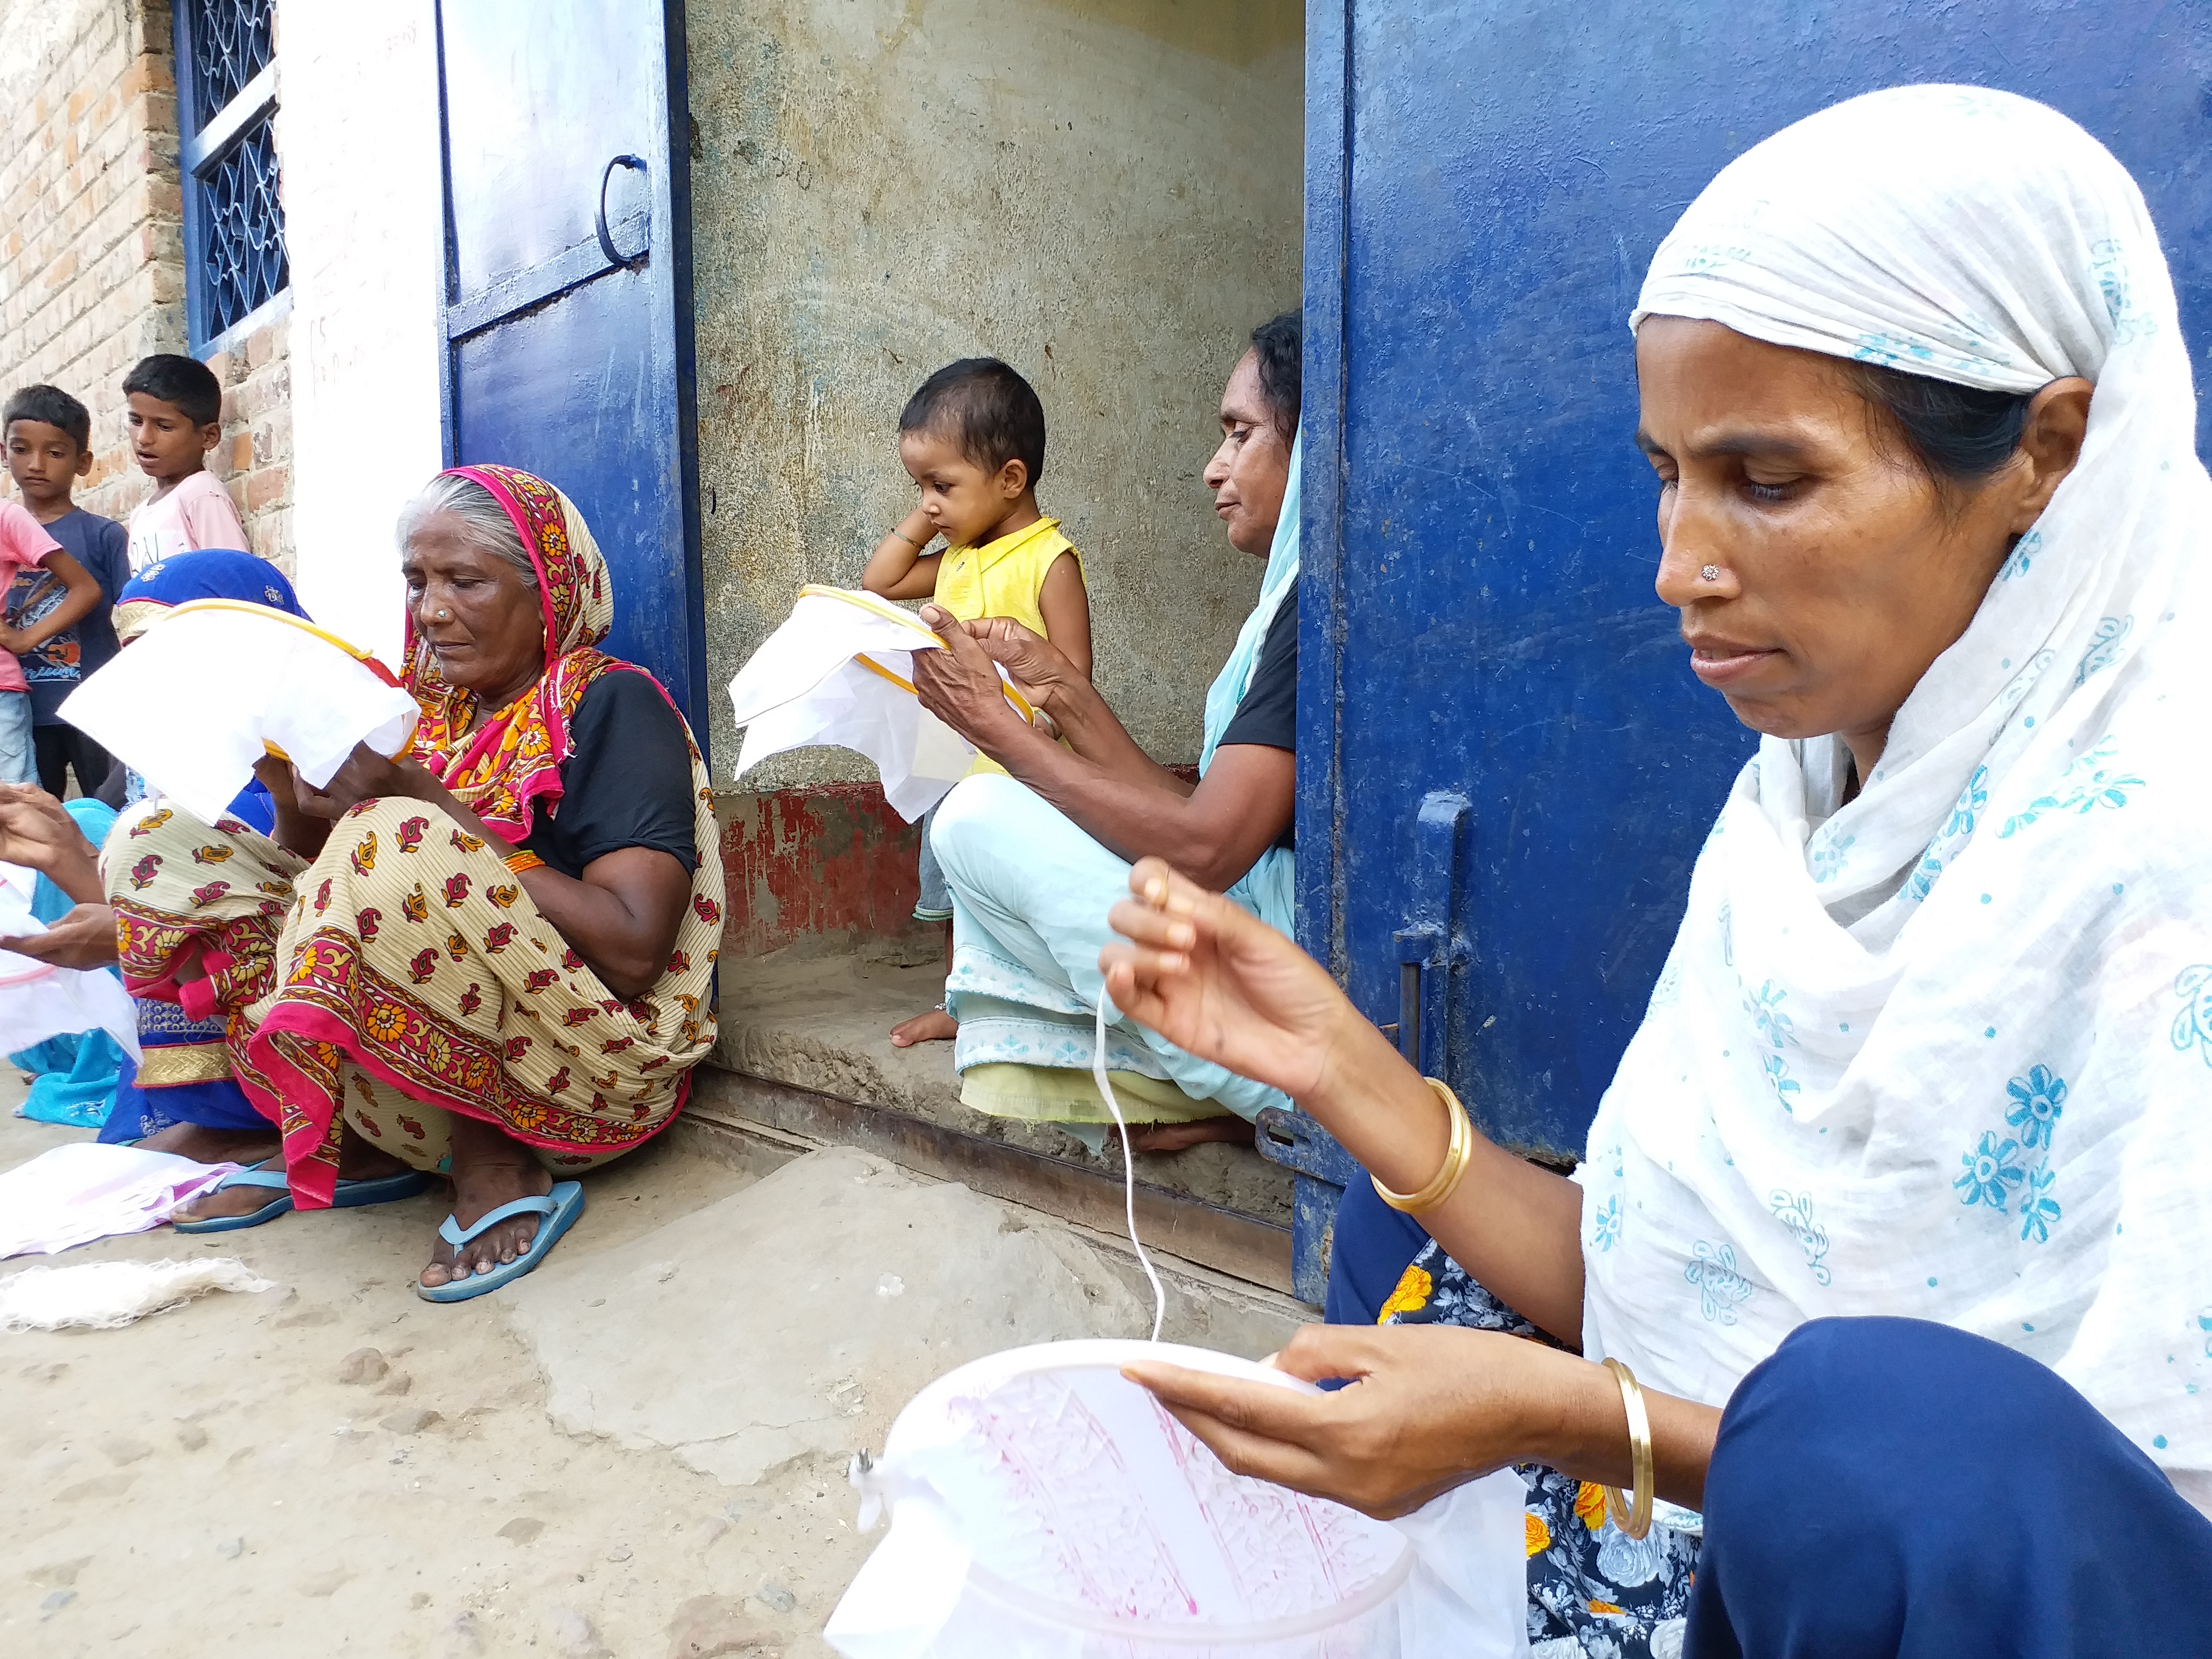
(1946, 1052)
(202, 695)
(1042, 1503)
(69, 1196)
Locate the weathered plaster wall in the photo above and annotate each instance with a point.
(1105, 194)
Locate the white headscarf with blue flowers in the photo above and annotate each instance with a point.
(1945, 1051)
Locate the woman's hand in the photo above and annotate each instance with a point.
(1041, 670)
(1216, 980)
(85, 937)
(1432, 1406)
(961, 687)
(368, 775)
(37, 832)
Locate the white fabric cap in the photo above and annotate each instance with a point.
(1946, 1051)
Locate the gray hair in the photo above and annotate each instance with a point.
(484, 522)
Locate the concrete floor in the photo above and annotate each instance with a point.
(639, 1449)
(823, 1023)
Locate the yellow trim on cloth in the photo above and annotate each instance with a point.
(1053, 1094)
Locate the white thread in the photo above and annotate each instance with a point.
(1128, 1169)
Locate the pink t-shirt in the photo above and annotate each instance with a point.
(196, 513)
(24, 545)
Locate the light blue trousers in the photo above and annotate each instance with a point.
(1030, 892)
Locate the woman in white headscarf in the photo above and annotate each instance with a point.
(1931, 1062)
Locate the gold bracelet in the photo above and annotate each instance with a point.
(1457, 1155)
(909, 541)
(1637, 1521)
(523, 859)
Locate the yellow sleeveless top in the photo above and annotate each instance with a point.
(1004, 578)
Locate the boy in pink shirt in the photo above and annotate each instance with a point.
(176, 418)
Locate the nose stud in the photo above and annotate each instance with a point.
(448, 615)
(1710, 573)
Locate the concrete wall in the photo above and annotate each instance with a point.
(92, 259)
(358, 134)
(1105, 194)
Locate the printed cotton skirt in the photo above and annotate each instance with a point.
(402, 975)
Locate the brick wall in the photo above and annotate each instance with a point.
(92, 248)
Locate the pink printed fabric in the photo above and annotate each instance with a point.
(197, 513)
(24, 544)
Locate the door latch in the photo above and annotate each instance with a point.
(1429, 947)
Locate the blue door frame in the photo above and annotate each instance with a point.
(567, 305)
(1505, 769)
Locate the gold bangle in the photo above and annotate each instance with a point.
(909, 541)
(516, 862)
(1634, 1522)
(1456, 1154)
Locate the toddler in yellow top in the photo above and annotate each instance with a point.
(973, 440)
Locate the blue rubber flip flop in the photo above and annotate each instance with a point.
(258, 1175)
(560, 1208)
(384, 1190)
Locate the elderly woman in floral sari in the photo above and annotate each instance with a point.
(489, 956)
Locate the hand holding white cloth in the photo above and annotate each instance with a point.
(200, 696)
(1042, 1503)
(40, 1001)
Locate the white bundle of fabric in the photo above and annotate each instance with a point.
(218, 684)
(69, 1196)
(840, 671)
(1946, 1050)
(1042, 1503)
(38, 1000)
(104, 1295)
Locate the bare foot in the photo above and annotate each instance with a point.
(935, 1026)
(1178, 1137)
(203, 1145)
(488, 1170)
(358, 1160)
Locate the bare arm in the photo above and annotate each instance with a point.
(1216, 980)
(1065, 607)
(1435, 1406)
(621, 916)
(1102, 780)
(897, 569)
(81, 597)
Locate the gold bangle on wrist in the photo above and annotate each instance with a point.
(1637, 1521)
(1456, 1154)
(523, 859)
(909, 541)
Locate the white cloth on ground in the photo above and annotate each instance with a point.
(104, 1295)
(1944, 1050)
(70, 1195)
(217, 683)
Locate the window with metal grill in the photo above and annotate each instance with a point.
(234, 259)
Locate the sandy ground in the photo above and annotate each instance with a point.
(203, 1483)
(206, 1481)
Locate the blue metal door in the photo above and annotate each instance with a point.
(1505, 767)
(569, 289)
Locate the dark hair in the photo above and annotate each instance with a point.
(1959, 434)
(186, 382)
(1279, 346)
(52, 405)
(986, 409)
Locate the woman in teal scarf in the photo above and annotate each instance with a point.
(1035, 859)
